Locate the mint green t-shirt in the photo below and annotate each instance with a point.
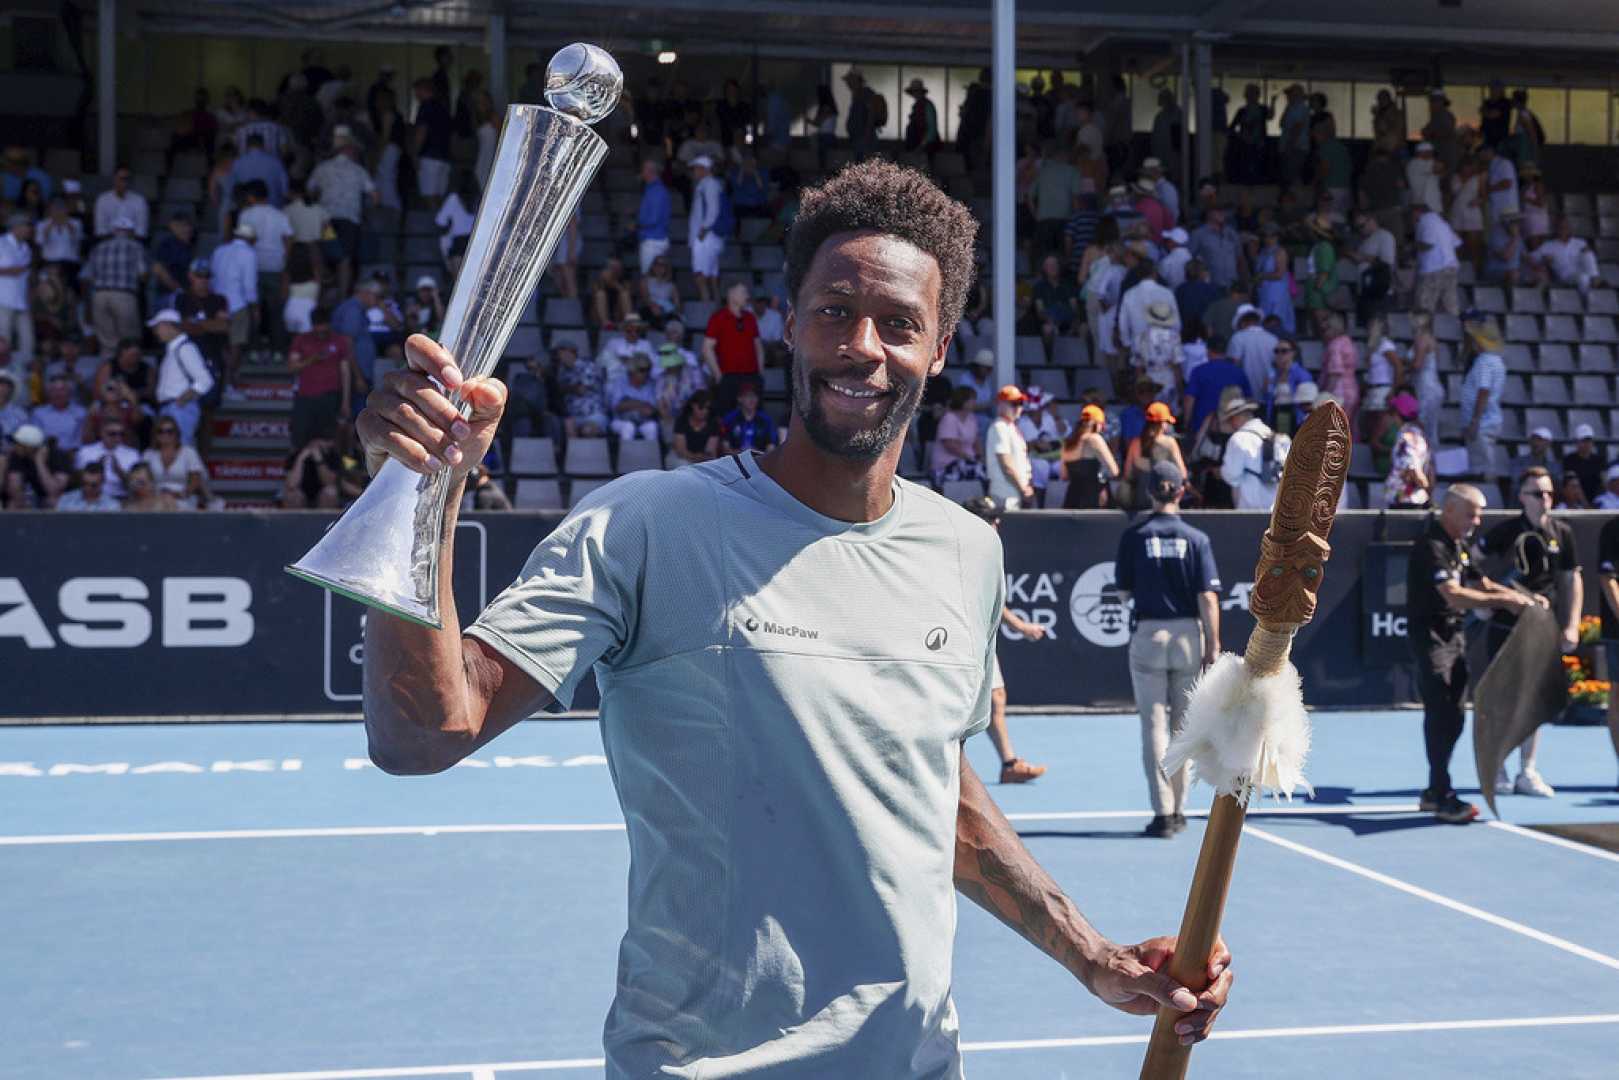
(784, 697)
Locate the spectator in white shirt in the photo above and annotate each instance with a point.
(456, 215)
(182, 377)
(60, 417)
(1007, 455)
(61, 239)
(632, 398)
(1043, 434)
(1436, 263)
(1172, 266)
(16, 259)
(617, 351)
(91, 496)
(236, 278)
(1500, 181)
(119, 201)
(1253, 348)
(344, 187)
(1567, 259)
(707, 245)
(272, 242)
(1139, 297)
(1254, 456)
(1609, 499)
(1422, 177)
(111, 453)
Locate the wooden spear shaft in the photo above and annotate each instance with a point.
(1167, 1058)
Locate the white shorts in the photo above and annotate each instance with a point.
(997, 681)
(705, 255)
(651, 249)
(432, 177)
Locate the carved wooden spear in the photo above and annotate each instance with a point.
(1245, 722)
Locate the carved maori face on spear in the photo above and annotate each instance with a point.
(1295, 546)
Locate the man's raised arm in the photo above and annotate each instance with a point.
(995, 871)
(433, 696)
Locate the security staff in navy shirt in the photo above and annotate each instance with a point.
(1168, 568)
(1442, 585)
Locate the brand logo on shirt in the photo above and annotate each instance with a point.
(753, 625)
(936, 638)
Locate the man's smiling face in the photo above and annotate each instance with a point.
(865, 336)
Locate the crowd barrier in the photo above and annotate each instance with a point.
(191, 616)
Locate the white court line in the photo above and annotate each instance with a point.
(491, 1070)
(614, 826)
(1556, 841)
(1435, 898)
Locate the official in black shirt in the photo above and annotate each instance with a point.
(1544, 561)
(1608, 553)
(1442, 584)
(1168, 568)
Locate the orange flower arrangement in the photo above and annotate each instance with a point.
(1590, 692)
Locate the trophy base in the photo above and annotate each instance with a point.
(353, 590)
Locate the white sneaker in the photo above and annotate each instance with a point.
(1531, 783)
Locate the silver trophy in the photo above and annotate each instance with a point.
(384, 550)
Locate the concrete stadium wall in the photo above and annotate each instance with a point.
(192, 617)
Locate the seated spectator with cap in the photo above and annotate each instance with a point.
(91, 495)
(1586, 462)
(1538, 453)
(183, 377)
(1006, 454)
(112, 454)
(33, 472)
(617, 351)
(60, 416)
(632, 400)
(1609, 499)
(746, 427)
(1254, 456)
(678, 377)
(579, 383)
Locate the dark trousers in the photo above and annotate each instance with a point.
(1442, 681)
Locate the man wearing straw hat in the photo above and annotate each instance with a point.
(1481, 396)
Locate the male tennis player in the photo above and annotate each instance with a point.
(791, 649)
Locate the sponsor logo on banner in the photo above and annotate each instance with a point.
(1100, 612)
(266, 391)
(122, 613)
(1034, 598)
(252, 427)
(246, 469)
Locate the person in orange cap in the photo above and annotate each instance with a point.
(1155, 443)
(1007, 454)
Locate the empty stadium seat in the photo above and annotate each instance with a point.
(1053, 381)
(695, 313)
(533, 456)
(1447, 327)
(638, 455)
(587, 457)
(578, 489)
(1493, 301)
(1576, 204)
(1597, 358)
(525, 342)
(1360, 462)
(1056, 493)
(1561, 328)
(1592, 390)
(563, 311)
(1031, 351)
(1527, 301)
(1600, 330)
(959, 491)
(1553, 358)
(1522, 328)
(767, 258)
(578, 336)
(1559, 301)
(1546, 390)
(538, 495)
(1071, 352)
(1513, 392)
(1608, 205)
(1092, 379)
(1602, 302)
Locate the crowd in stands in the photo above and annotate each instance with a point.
(1198, 327)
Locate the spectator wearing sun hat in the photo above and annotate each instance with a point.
(679, 377)
(35, 471)
(1254, 455)
(1481, 396)
(1006, 454)
(1172, 264)
(1156, 352)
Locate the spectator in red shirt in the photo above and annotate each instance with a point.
(732, 344)
(320, 360)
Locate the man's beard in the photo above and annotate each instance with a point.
(863, 444)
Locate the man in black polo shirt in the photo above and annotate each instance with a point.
(1608, 554)
(1168, 568)
(1442, 585)
(205, 319)
(1543, 560)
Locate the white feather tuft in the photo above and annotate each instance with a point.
(1241, 732)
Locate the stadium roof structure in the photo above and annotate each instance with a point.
(945, 30)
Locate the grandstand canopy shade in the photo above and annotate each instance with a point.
(939, 28)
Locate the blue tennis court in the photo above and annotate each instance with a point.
(233, 900)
